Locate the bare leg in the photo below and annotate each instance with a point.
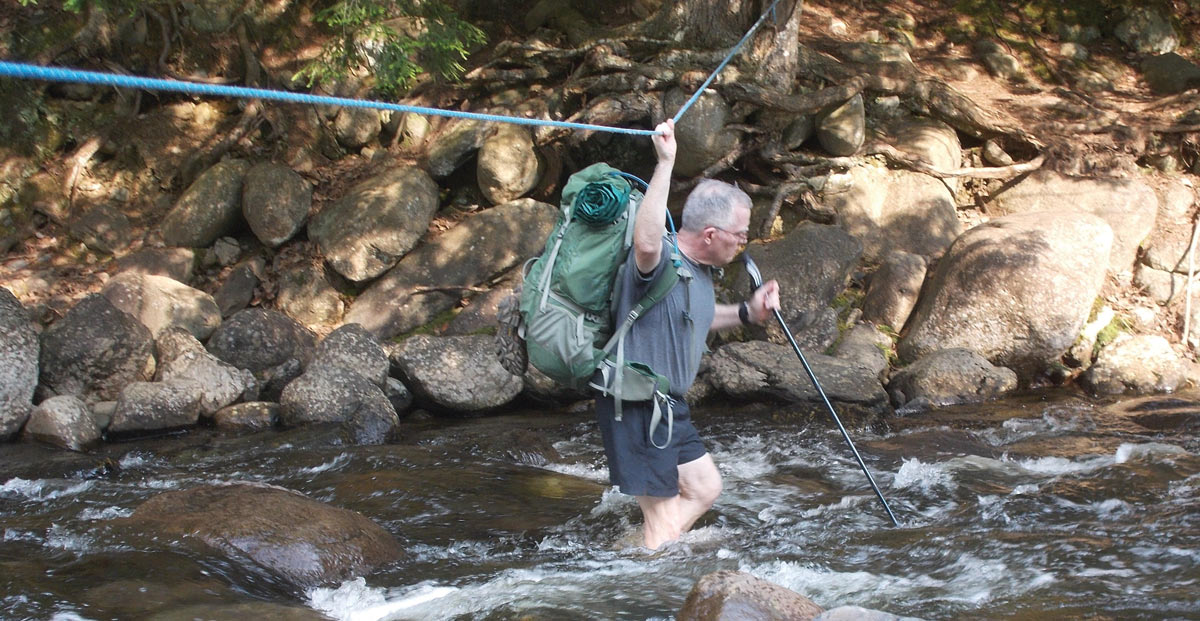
(667, 518)
(699, 486)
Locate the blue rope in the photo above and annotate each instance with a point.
(728, 57)
(57, 74)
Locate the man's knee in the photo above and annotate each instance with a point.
(700, 481)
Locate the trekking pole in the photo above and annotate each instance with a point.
(757, 281)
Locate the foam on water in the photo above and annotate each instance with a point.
(334, 464)
(355, 601)
(599, 474)
(922, 476)
(1148, 451)
(41, 489)
(107, 513)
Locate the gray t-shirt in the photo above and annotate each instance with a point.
(670, 337)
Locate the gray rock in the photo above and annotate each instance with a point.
(268, 343)
(275, 202)
(949, 377)
(928, 140)
(457, 373)
(1073, 51)
(508, 165)
(209, 208)
(1016, 290)
(103, 228)
(889, 210)
(1135, 364)
(237, 291)
(353, 347)
(487, 244)
(94, 351)
(250, 416)
(858, 613)
(336, 394)
(1170, 73)
(454, 145)
(1167, 246)
(701, 133)
(257, 524)
(182, 357)
(376, 223)
(1090, 81)
(398, 395)
(1147, 31)
(893, 290)
(63, 421)
(18, 364)
(995, 154)
(758, 370)
(842, 129)
(224, 252)
(1160, 285)
(1128, 205)
(797, 132)
(156, 406)
(306, 295)
(1004, 66)
(356, 127)
(177, 263)
(863, 345)
(161, 303)
(728, 595)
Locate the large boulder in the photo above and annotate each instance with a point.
(864, 345)
(456, 373)
(331, 393)
(63, 421)
(812, 263)
(1147, 31)
(209, 208)
(275, 202)
(424, 283)
(18, 364)
(890, 210)
(701, 133)
(949, 377)
(268, 343)
(1167, 247)
(376, 223)
(182, 357)
(736, 596)
(454, 145)
(156, 406)
(842, 128)
(306, 295)
(1170, 73)
(508, 164)
(893, 289)
(758, 371)
(1137, 365)
(299, 540)
(356, 127)
(1129, 206)
(1016, 290)
(932, 142)
(94, 351)
(161, 303)
(353, 347)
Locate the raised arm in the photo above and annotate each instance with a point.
(650, 226)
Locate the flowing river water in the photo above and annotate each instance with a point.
(1045, 506)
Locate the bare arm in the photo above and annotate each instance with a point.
(649, 228)
(760, 307)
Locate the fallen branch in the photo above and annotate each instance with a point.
(905, 160)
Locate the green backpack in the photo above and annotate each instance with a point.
(566, 302)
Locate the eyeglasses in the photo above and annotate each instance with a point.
(741, 236)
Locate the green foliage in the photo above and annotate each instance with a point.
(397, 39)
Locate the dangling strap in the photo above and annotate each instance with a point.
(662, 401)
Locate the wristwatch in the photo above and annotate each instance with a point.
(744, 313)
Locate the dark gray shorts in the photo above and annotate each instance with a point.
(635, 465)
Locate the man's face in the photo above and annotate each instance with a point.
(728, 242)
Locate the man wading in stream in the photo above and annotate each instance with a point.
(678, 483)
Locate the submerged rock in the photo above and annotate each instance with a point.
(737, 596)
(262, 525)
